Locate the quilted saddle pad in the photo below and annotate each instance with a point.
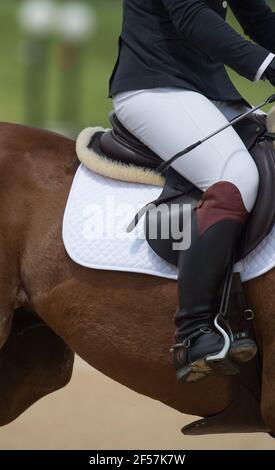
(94, 230)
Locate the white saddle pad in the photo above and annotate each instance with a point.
(94, 230)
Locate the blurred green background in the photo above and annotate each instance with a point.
(69, 80)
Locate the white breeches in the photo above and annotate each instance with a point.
(169, 119)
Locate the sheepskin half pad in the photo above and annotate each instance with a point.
(89, 154)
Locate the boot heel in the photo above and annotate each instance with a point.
(193, 372)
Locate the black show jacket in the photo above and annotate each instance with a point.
(186, 43)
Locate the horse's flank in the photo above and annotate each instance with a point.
(120, 323)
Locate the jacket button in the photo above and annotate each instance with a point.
(224, 4)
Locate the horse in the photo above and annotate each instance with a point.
(120, 323)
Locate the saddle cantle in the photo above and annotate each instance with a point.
(120, 145)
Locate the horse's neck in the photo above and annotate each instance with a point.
(30, 144)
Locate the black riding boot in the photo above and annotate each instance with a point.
(217, 223)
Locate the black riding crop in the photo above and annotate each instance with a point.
(165, 165)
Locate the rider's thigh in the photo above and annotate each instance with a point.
(169, 119)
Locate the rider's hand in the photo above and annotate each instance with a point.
(270, 72)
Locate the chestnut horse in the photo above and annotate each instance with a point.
(120, 323)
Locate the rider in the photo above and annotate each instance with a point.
(170, 88)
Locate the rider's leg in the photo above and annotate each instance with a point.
(168, 120)
(217, 223)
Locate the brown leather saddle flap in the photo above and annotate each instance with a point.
(242, 416)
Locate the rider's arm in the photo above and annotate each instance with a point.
(208, 31)
(258, 22)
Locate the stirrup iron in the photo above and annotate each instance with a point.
(220, 318)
